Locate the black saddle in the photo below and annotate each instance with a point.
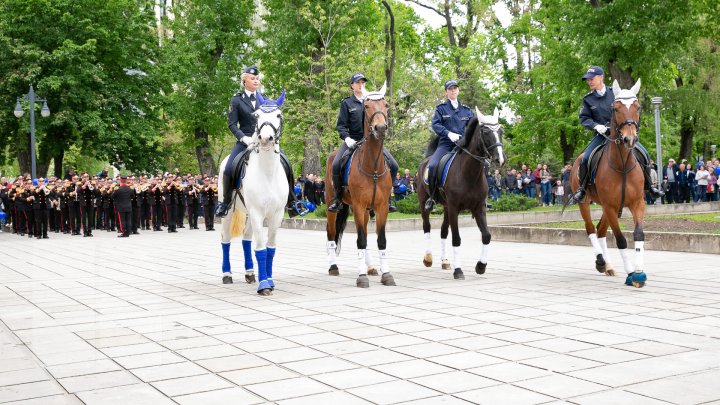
(239, 164)
(597, 153)
(441, 169)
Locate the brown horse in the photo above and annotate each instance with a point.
(369, 186)
(466, 188)
(619, 183)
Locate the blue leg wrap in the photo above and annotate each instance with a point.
(640, 277)
(226, 257)
(261, 257)
(247, 251)
(269, 265)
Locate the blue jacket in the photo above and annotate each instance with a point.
(597, 110)
(447, 119)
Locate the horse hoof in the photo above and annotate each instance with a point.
(458, 274)
(446, 264)
(265, 292)
(600, 264)
(372, 271)
(387, 279)
(427, 259)
(250, 278)
(636, 279)
(362, 281)
(480, 267)
(334, 271)
(227, 280)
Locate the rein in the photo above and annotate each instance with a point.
(485, 157)
(375, 175)
(624, 170)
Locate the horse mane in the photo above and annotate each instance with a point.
(469, 132)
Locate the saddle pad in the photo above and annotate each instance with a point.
(445, 162)
(593, 161)
(346, 169)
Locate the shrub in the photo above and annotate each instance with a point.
(513, 202)
(408, 205)
(321, 211)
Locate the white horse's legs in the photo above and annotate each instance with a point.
(627, 263)
(457, 258)
(332, 256)
(606, 255)
(384, 266)
(639, 255)
(595, 244)
(362, 266)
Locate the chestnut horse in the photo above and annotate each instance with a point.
(368, 188)
(619, 182)
(466, 188)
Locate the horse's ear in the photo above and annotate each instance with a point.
(616, 88)
(479, 115)
(260, 99)
(364, 91)
(281, 100)
(383, 89)
(496, 114)
(636, 88)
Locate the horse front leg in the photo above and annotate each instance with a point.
(427, 259)
(256, 222)
(225, 238)
(452, 213)
(331, 245)
(592, 235)
(247, 253)
(371, 270)
(273, 226)
(602, 263)
(361, 228)
(638, 277)
(481, 221)
(610, 215)
(444, 262)
(380, 222)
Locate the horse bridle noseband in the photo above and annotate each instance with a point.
(369, 120)
(276, 130)
(485, 157)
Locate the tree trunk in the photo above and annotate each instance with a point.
(624, 77)
(686, 137)
(58, 160)
(206, 162)
(568, 149)
(389, 59)
(311, 154)
(23, 152)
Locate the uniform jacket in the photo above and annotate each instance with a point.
(448, 119)
(350, 118)
(41, 201)
(208, 196)
(597, 110)
(171, 195)
(240, 115)
(122, 198)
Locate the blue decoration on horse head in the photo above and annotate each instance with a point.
(269, 105)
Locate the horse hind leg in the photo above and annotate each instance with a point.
(593, 236)
(247, 253)
(225, 244)
(360, 221)
(457, 259)
(481, 221)
(602, 262)
(331, 245)
(427, 258)
(444, 262)
(386, 278)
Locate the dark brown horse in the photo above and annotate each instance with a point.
(619, 183)
(369, 186)
(466, 188)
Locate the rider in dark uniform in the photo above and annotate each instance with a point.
(597, 108)
(350, 127)
(449, 124)
(242, 122)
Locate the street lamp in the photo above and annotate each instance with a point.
(712, 149)
(19, 112)
(656, 101)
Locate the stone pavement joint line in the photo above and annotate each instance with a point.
(98, 321)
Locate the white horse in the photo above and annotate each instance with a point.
(262, 197)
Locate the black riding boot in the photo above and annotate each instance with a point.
(222, 209)
(392, 207)
(294, 207)
(583, 177)
(337, 203)
(430, 203)
(654, 192)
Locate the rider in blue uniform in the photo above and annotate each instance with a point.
(448, 122)
(597, 108)
(242, 122)
(350, 127)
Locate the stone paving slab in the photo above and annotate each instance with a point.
(147, 320)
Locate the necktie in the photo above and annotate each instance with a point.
(252, 97)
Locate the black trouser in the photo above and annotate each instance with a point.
(41, 222)
(171, 211)
(22, 220)
(192, 214)
(209, 216)
(145, 215)
(74, 217)
(180, 214)
(684, 193)
(672, 195)
(135, 218)
(64, 219)
(157, 216)
(124, 222)
(86, 216)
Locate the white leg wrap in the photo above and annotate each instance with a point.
(484, 253)
(443, 249)
(362, 267)
(603, 246)
(626, 261)
(332, 258)
(595, 243)
(384, 266)
(639, 256)
(456, 258)
(428, 243)
(368, 259)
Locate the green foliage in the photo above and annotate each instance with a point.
(409, 205)
(321, 211)
(513, 202)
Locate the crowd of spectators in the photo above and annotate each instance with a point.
(688, 183)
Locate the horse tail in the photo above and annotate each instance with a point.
(432, 145)
(340, 222)
(237, 223)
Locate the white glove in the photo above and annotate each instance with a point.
(350, 142)
(601, 129)
(453, 136)
(247, 140)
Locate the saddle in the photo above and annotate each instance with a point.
(239, 164)
(346, 162)
(441, 175)
(597, 153)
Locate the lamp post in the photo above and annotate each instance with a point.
(656, 101)
(712, 149)
(31, 98)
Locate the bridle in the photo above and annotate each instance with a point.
(485, 157)
(277, 131)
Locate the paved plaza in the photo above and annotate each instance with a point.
(146, 320)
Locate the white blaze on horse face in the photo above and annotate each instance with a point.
(267, 123)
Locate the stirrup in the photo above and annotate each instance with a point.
(222, 210)
(580, 194)
(336, 205)
(655, 193)
(297, 208)
(429, 204)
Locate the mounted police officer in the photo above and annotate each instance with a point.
(242, 123)
(595, 115)
(448, 122)
(350, 126)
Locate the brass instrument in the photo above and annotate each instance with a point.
(214, 188)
